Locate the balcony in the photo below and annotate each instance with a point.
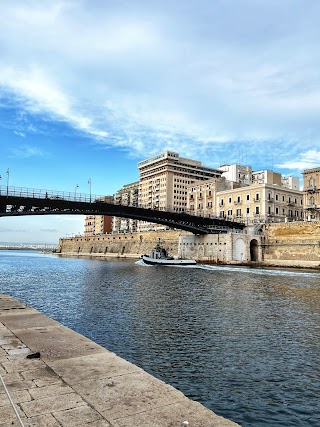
(312, 189)
(312, 207)
(256, 199)
(238, 202)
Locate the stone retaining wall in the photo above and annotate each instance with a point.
(120, 245)
(295, 244)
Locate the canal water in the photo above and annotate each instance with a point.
(243, 342)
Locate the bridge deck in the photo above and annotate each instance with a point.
(22, 201)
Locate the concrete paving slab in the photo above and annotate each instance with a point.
(57, 342)
(49, 405)
(174, 416)
(42, 372)
(51, 390)
(127, 394)
(76, 417)
(17, 396)
(42, 421)
(29, 319)
(97, 366)
(18, 365)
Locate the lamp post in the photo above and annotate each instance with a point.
(90, 182)
(75, 191)
(8, 174)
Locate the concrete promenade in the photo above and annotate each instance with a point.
(76, 382)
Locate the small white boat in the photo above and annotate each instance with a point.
(159, 256)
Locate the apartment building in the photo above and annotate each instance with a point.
(261, 202)
(98, 224)
(128, 196)
(266, 177)
(164, 179)
(202, 195)
(290, 182)
(237, 173)
(311, 193)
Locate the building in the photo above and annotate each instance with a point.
(266, 177)
(290, 182)
(164, 179)
(98, 224)
(311, 193)
(128, 196)
(261, 203)
(202, 195)
(237, 173)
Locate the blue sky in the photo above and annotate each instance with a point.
(89, 88)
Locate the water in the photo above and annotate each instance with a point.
(243, 342)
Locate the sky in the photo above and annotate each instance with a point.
(88, 88)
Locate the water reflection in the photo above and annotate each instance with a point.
(244, 342)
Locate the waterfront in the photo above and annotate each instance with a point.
(243, 342)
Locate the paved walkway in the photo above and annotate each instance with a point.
(76, 382)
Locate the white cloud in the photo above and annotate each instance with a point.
(307, 160)
(196, 79)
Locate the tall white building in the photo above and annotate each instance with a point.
(291, 182)
(237, 173)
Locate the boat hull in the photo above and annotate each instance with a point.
(153, 261)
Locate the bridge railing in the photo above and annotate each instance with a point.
(35, 193)
(74, 196)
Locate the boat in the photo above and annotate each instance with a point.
(160, 256)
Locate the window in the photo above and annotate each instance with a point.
(230, 199)
(230, 212)
(238, 213)
(283, 198)
(311, 200)
(248, 210)
(277, 210)
(238, 199)
(221, 214)
(257, 196)
(257, 210)
(221, 202)
(311, 182)
(248, 197)
(277, 197)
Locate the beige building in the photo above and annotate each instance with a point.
(202, 195)
(311, 192)
(266, 177)
(128, 196)
(164, 179)
(261, 202)
(252, 203)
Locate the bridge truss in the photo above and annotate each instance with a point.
(17, 201)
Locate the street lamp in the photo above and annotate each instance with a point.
(75, 191)
(90, 182)
(8, 174)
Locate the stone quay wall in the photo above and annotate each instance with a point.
(294, 244)
(123, 245)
